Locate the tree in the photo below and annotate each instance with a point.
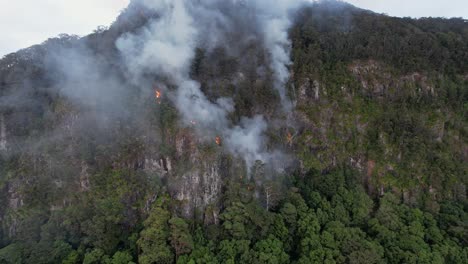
(153, 242)
(122, 258)
(96, 256)
(269, 251)
(200, 255)
(72, 258)
(181, 239)
(234, 251)
(13, 253)
(271, 194)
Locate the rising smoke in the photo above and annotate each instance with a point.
(167, 44)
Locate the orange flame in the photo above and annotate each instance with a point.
(289, 138)
(158, 94)
(218, 141)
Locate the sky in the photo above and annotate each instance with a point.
(27, 22)
(416, 8)
(24, 23)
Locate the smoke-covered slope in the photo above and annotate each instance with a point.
(211, 110)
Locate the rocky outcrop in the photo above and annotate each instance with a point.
(84, 177)
(161, 167)
(198, 188)
(3, 135)
(15, 200)
(194, 178)
(379, 80)
(309, 90)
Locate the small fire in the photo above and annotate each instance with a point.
(193, 122)
(289, 138)
(158, 94)
(218, 141)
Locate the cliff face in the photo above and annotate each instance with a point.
(333, 134)
(3, 136)
(355, 105)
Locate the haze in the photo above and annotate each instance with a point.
(27, 22)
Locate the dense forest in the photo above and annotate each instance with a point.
(375, 144)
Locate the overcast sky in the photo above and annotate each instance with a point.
(27, 22)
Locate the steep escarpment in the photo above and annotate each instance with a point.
(298, 128)
(75, 108)
(387, 96)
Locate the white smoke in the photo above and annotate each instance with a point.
(275, 22)
(166, 46)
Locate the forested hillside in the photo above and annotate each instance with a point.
(355, 151)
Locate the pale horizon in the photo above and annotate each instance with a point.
(24, 23)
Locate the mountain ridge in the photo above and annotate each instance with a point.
(374, 146)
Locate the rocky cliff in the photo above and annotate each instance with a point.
(76, 124)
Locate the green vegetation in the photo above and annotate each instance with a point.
(378, 137)
(323, 218)
(377, 93)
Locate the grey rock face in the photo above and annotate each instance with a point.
(199, 188)
(3, 136)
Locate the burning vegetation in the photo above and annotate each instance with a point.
(289, 138)
(158, 94)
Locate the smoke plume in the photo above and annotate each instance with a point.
(166, 46)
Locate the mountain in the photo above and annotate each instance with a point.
(238, 132)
